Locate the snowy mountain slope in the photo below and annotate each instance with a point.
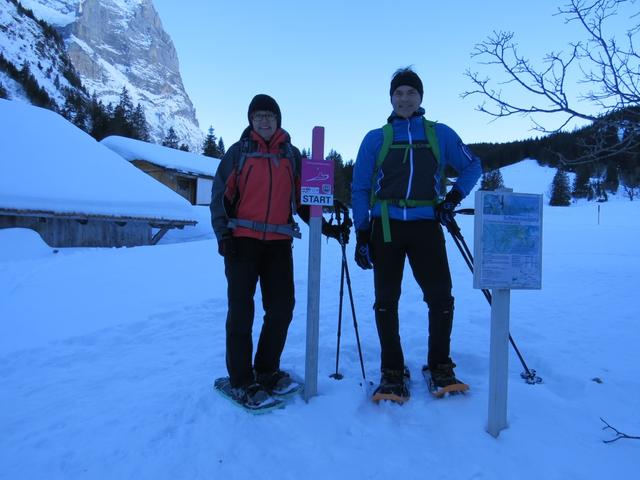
(114, 44)
(24, 42)
(59, 13)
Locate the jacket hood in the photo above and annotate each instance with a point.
(280, 136)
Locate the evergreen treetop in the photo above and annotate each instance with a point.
(171, 139)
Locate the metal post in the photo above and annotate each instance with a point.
(313, 284)
(498, 361)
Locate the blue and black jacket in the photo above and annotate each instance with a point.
(408, 176)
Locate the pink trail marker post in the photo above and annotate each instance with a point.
(316, 191)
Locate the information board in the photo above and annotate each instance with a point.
(508, 240)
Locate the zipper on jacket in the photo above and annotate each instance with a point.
(408, 194)
(266, 218)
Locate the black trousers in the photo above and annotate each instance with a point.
(422, 242)
(271, 263)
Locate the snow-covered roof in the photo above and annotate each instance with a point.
(48, 165)
(166, 157)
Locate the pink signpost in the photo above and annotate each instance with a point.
(316, 191)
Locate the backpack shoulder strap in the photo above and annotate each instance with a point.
(387, 140)
(430, 131)
(432, 138)
(245, 148)
(289, 153)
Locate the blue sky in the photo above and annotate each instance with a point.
(330, 62)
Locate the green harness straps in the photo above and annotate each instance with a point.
(387, 144)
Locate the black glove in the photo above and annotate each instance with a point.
(363, 249)
(227, 246)
(444, 211)
(337, 231)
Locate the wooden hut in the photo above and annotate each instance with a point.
(60, 182)
(188, 174)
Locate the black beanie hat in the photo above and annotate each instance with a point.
(406, 76)
(262, 102)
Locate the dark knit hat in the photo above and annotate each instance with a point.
(406, 76)
(262, 102)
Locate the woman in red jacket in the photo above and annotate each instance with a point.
(256, 191)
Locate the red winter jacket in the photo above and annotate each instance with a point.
(263, 189)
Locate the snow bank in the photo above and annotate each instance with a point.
(18, 244)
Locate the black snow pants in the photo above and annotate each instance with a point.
(270, 262)
(422, 242)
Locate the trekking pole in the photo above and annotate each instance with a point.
(337, 375)
(353, 308)
(341, 209)
(529, 375)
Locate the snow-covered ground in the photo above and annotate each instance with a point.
(107, 359)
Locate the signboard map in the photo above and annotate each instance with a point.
(508, 240)
(317, 182)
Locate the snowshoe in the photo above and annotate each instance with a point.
(278, 383)
(252, 398)
(441, 380)
(394, 386)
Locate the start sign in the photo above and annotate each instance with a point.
(317, 182)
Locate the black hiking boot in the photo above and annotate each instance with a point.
(252, 396)
(443, 374)
(441, 379)
(394, 386)
(278, 382)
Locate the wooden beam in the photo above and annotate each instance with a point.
(159, 234)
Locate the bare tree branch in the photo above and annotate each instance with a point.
(618, 433)
(609, 70)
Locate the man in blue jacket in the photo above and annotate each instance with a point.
(399, 204)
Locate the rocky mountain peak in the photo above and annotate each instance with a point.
(121, 43)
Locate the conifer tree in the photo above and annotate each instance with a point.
(3, 92)
(630, 180)
(492, 180)
(122, 115)
(139, 126)
(582, 183)
(74, 109)
(611, 178)
(171, 139)
(25, 71)
(342, 177)
(221, 149)
(560, 192)
(209, 146)
(36, 94)
(184, 147)
(98, 119)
